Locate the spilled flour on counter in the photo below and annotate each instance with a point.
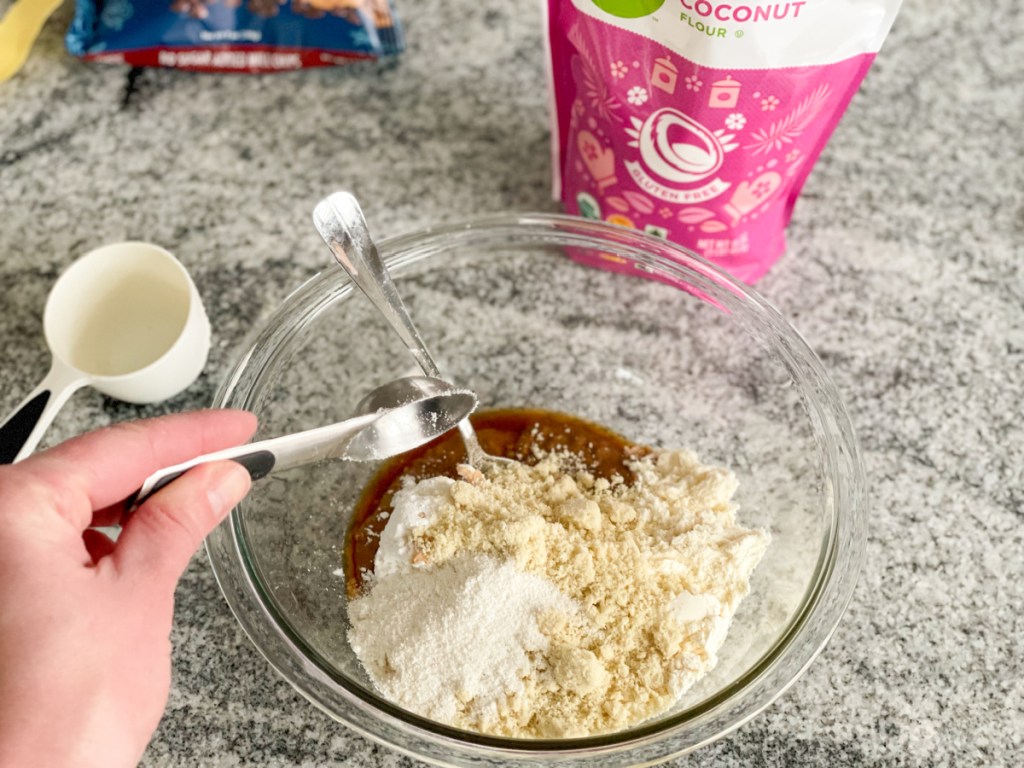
(542, 602)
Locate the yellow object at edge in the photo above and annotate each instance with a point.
(19, 29)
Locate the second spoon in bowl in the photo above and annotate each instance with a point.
(339, 220)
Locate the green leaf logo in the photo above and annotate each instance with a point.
(629, 9)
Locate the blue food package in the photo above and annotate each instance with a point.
(233, 35)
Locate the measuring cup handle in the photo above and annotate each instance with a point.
(24, 428)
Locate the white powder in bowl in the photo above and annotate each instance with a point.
(453, 641)
(541, 602)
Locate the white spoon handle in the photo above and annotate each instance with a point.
(265, 456)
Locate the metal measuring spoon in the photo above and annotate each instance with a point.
(392, 419)
(340, 222)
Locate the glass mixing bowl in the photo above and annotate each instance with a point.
(665, 350)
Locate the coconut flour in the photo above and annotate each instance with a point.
(538, 601)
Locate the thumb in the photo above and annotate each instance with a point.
(163, 534)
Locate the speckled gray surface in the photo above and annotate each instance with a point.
(904, 271)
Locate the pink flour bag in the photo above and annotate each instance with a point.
(699, 120)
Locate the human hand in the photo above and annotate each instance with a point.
(85, 653)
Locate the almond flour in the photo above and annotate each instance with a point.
(540, 602)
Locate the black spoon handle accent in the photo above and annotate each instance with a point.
(257, 463)
(20, 425)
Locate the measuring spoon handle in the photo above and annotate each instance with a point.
(25, 426)
(340, 222)
(265, 456)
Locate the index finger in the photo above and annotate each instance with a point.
(99, 468)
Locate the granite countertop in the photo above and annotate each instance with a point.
(905, 271)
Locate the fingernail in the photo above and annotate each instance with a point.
(230, 486)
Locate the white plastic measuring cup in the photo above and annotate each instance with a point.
(126, 319)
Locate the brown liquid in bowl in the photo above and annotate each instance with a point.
(514, 433)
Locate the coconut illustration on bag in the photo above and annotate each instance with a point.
(677, 148)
